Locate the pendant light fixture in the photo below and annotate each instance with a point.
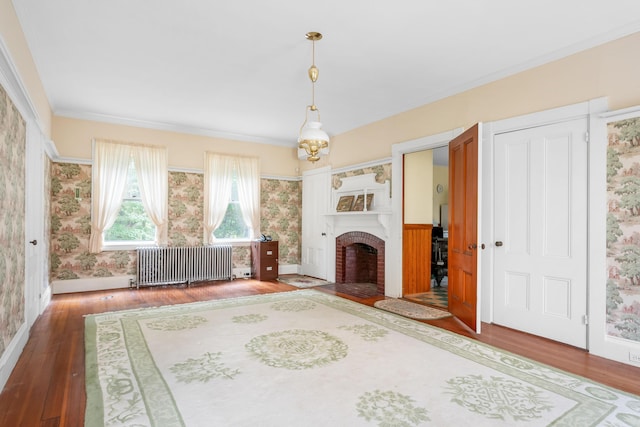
(313, 142)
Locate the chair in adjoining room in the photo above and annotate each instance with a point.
(439, 255)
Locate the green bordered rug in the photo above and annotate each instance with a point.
(411, 309)
(314, 359)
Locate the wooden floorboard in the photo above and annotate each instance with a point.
(47, 386)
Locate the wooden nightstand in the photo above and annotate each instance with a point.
(264, 260)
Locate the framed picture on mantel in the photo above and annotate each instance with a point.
(359, 204)
(345, 203)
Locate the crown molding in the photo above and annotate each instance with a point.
(171, 127)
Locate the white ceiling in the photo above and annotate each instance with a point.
(238, 68)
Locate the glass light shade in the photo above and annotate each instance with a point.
(313, 142)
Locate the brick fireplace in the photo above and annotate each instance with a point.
(360, 259)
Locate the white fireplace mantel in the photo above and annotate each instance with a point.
(375, 219)
(363, 185)
(360, 221)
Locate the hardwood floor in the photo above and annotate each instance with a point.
(47, 387)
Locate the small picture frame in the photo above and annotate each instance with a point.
(359, 204)
(344, 204)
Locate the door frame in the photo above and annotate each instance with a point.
(581, 110)
(393, 266)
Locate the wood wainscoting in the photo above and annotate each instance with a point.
(416, 258)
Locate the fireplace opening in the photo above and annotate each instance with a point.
(360, 259)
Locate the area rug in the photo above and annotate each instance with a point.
(310, 358)
(359, 290)
(410, 309)
(302, 281)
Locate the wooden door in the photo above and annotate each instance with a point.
(540, 226)
(463, 226)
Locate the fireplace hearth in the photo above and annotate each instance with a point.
(360, 259)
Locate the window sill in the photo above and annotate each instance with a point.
(233, 242)
(126, 246)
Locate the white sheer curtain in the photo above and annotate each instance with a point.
(218, 170)
(153, 180)
(248, 180)
(109, 176)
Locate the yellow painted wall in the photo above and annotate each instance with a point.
(418, 187)
(440, 176)
(15, 42)
(611, 70)
(73, 140)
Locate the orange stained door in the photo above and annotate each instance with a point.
(463, 226)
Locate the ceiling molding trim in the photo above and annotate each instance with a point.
(75, 160)
(50, 150)
(171, 127)
(631, 110)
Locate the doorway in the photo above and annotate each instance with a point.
(438, 192)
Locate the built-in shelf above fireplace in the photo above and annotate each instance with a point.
(374, 218)
(360, 188)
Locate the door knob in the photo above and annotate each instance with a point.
(34, 242)
(498, 243)
(472, 246)
(324, 234)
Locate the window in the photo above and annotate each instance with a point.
(231, 197)
(128, 195)
(233, 225)
(132, 225)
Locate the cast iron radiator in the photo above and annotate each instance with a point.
(169, 265)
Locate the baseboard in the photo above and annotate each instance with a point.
(242, 272)
(89, 284)
(12, 354)
(45, 299)
(289, 269)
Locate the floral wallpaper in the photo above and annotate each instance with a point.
(70, 222)
(12, 222)
(383, 173)
(186, 204)
(623, 229)
(71, 229)
(281, 216)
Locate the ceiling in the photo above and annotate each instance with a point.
(238, 69)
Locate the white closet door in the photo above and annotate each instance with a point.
(34, 227)
(540, 270)
(316, 186)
